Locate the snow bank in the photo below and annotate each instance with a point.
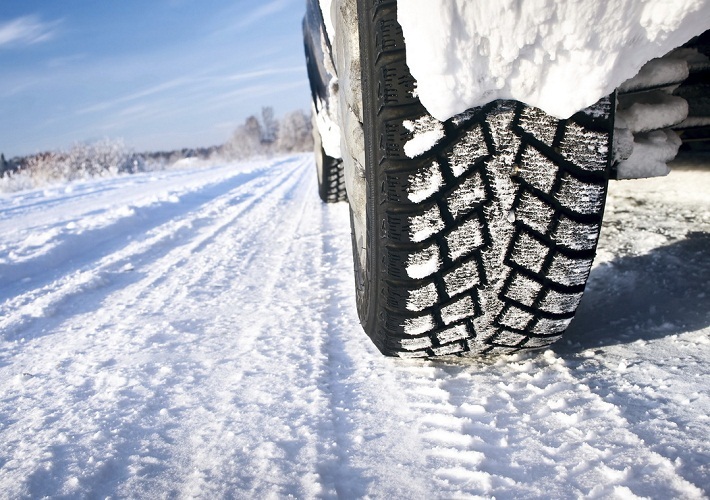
(560, 56)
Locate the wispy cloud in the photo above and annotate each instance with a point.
(103, 106)
(261, 12)
(26, 30)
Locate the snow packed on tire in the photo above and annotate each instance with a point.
(559, 56)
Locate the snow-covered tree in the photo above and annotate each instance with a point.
(295, 133)
(270, 125)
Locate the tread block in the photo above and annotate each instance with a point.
(523, 290)
(415, 343)
(581, 197)
(568, 271)
(417, 264)
(585, 148)
(516, 318)
(467, 152)
(560, 303)
(528, 252)
(462, 278)
(414, 186)
(453, 334)
(537, 170)
(454, 348)
(414, 226)
(465, 239)
(547, 326)
(534, 213)
(425, 225)
(418, 325)
(459, 309)
(575, 235)
(402, 300)
(537, 342)
(508, 338)
(464, 198)
(422, 297)
(538, 124)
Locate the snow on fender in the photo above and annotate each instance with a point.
(559, 56)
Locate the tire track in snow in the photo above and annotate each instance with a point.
(227, 360)
(20, 312)
(82, 367)
(365, 420)
(527, 424)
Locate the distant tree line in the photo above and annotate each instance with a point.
(257, 137)
(270, 136)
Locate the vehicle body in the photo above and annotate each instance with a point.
(475, 222)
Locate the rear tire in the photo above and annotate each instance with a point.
(482, 241)
(331, 177)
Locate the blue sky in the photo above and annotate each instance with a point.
(159, 74)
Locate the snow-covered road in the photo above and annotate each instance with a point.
(192, 333)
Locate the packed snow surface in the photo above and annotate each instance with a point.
(560, 56)
(192, 333)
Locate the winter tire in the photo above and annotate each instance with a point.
(480, 231)
(331, 177)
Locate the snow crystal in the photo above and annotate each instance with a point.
(426, 133)
(462, 308)
(425, 225)
(424, 262)
(419, 325)
(467, 151)
(462, 278)
(425, 183)
(421, 298)
(415, 344)
(465, 197)
(558, 56)
(465, 239)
